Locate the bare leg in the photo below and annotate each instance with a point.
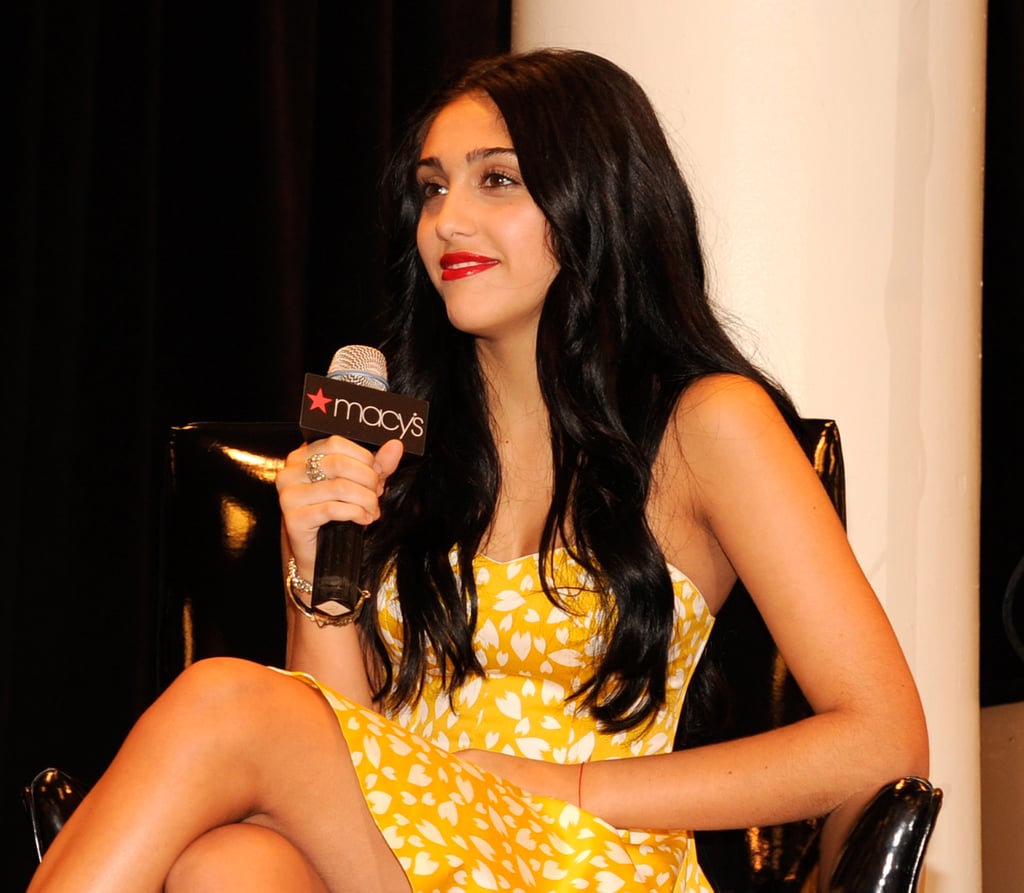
(247, 858)
(229, 741)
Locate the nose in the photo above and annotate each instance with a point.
(454, 214)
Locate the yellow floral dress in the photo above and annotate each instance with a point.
(454, 827)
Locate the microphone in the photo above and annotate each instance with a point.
(360, 365)
(353, 400)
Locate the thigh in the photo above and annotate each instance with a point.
(287, 751)
(243, 857)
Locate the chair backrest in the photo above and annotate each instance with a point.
(222, 595)
(220, 563)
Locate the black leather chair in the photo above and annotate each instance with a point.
(221, 595)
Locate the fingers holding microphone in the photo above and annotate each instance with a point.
(333, 479)
(386, 460)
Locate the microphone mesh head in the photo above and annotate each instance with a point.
(361, 365)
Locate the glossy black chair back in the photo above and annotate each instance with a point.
(221, 592)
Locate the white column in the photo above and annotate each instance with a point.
(836, 150)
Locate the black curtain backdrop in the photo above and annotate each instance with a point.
(1002, 393)
(191, 213)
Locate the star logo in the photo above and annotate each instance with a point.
(318, 401)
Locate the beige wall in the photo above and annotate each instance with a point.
(836, 152)
(1002, 801)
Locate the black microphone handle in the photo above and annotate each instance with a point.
(339, 558)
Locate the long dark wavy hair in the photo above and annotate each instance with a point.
(625, 328)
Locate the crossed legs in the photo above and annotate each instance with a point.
(229, 742)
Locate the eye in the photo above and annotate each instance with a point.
(499, 180)
(431, 189)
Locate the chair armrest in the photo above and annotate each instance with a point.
(884, 851)
(49, 800)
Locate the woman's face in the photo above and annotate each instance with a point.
(482, 238)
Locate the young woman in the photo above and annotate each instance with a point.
(603, 465)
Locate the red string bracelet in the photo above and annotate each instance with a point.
(579, 789)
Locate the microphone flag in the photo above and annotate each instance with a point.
(362, 414)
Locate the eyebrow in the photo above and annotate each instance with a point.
(471, 157)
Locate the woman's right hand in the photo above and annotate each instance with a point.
(354, 483)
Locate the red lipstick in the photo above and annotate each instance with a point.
(460, 264)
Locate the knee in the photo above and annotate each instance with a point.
(213, 695)
(215, 681)
(242, 857)
(226, 698)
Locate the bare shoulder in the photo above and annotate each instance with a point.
(725, 436)
(732, 460)
(722, 421)
(724, 408)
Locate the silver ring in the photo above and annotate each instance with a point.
(313, 470)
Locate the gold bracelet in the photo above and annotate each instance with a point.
(295, 584)
(296, 581)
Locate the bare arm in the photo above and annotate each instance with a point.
(745, 490)
(355, 482)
